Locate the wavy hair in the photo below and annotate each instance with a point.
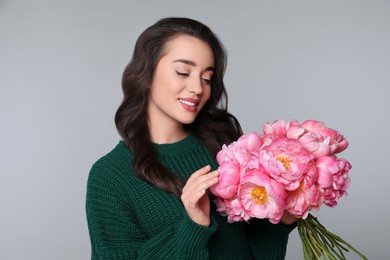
(214, 125)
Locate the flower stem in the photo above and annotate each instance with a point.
(318, 242)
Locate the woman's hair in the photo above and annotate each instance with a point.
(213, 125)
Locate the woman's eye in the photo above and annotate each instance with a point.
(207, 81)
(182, 74)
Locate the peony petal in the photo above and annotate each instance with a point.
(325, 179)
(295, 132)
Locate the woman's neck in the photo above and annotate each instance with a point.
(165, 134)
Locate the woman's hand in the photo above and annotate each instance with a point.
(194, 196)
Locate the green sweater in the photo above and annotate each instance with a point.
(130, 219)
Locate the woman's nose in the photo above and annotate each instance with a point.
(195, 86)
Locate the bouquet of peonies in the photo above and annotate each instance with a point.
(290, 166)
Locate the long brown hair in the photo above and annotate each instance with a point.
(213, 125)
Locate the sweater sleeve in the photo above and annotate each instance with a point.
(267, 240)
(116, 234)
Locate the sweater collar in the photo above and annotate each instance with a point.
(182, 146)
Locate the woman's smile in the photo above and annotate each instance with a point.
(189, 104)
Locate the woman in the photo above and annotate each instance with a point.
(147, 198)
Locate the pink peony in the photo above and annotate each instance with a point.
(229, 179)
(234, 160)
(286, 161)
(233, 209)
(340, 182)
(262, 197)
(278, 127)
(251, 142)
(319, 139)
(241, 151)
(307, 197)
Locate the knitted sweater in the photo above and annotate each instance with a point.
(131, 219)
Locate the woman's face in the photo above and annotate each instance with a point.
(181, 82)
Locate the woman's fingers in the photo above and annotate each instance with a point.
(198, 186)
(194, 197)
(199, 172)
(201, 180)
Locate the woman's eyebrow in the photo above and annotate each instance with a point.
(188, 62)
(192, 63)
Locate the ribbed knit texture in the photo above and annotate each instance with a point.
(130, 219)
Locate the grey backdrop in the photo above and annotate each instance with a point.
(60, 71)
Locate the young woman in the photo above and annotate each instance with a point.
(148, 198)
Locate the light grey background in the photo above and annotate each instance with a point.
(60, 71)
